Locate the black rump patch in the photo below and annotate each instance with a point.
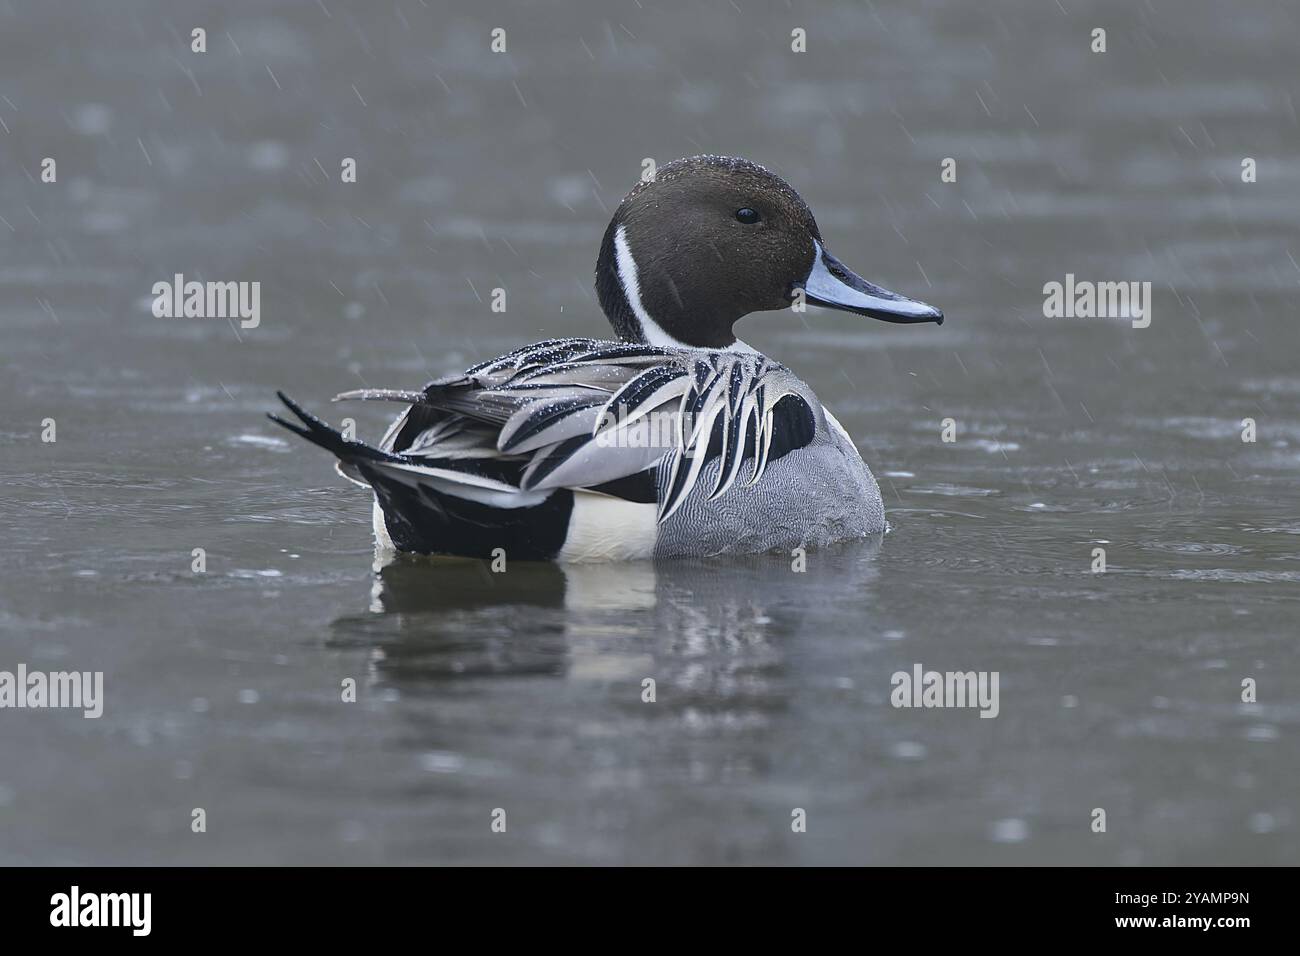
(639, 488)
(429, 522)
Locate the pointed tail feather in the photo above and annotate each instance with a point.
(381, 394)
(327, 436)
(436, 510)
(370, 466)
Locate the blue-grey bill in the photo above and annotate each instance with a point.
(830, 283)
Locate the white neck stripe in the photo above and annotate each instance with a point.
(628, 279)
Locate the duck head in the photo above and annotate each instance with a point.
(712, 239)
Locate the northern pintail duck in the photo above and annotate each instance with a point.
(677, 439)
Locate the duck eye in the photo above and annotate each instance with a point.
(747, 216)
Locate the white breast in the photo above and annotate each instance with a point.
(835, 424)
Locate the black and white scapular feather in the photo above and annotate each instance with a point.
(497, 457)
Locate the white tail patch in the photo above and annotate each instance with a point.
(603, 528)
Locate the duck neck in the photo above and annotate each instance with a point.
(627, 304)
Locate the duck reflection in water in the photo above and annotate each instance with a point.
(711, 628)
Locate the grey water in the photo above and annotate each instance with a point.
(522, 691)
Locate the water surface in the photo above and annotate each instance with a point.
(523, 690)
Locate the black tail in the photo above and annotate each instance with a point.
(327, 436)
(421, 518)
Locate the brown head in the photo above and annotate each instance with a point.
(712, 239)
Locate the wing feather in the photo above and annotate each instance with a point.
(548, 423)
(571, 413)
